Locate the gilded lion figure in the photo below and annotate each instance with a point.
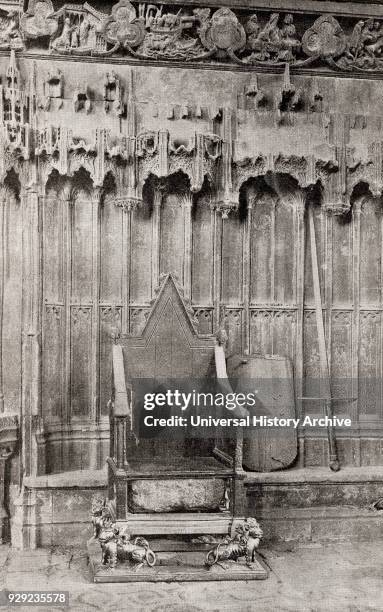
(244, 544)
(115, 545)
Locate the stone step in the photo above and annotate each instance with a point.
(321, 524)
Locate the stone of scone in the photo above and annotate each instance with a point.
(176, 495)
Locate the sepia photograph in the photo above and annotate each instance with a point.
(191, 305)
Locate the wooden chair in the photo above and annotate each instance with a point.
(155, 483)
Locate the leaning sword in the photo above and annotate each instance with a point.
(325, 372)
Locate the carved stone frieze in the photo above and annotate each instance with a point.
(146, 31)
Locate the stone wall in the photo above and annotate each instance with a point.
(135, 143)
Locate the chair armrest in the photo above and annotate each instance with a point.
(122, 406)
(223, 381)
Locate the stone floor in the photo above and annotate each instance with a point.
(336, 577)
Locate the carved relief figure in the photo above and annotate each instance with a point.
(64, 40)
(113, 94)
(80, 30)
(290, 45)
(364, 47)
(253, 30)
(272, 43)
(9, 31)
(84, 31)
(166, 35)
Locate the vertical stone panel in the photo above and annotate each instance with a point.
(111, 261)
(342, 262)
(53, 362)
(261, 251)
(81, 256)
(202, 254)
(12, 303)
(341, 360)
(138, 318)
(53, 249)
(370, 253)
(311, 363)
(233, 323)
(284, 254)
(261, 332)
(81, 344)
(140, 284)
(204, 317)
(53, 322)
(172, 236)
(284, 331)
(232, 252)
(370, 365)
(320, 237)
